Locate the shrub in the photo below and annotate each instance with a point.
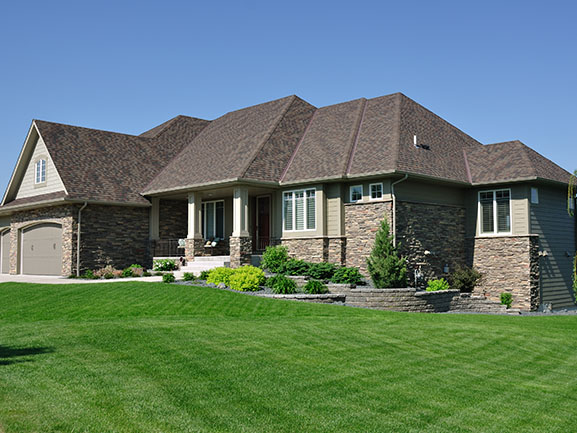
(347, 276)
(136, 266)
(127, 273)
(386, 268)
(108, 276)
(315, 287)
(188, 276)
(465, 279)
(220, 275)
(168, 278)
(280, 284)
(296, 267)
(274, 258)
(203, 275)
(506, 299)
(146, 274)
(105, 272)
(164, 265)
(158, 274)
(321, 271)
(436, 285)
(247, 279)
(89, 275)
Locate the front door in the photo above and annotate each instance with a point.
(262, 222)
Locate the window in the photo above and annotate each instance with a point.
(495, 211)
(376, 191)
(356, 193)
(40, 171)
(299, 210)
(213, 219)
(534, 196)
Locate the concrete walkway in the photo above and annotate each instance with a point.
(49, 279)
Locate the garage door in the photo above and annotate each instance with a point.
(42, 250)
(5, 252)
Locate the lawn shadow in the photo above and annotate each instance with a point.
(11, 355)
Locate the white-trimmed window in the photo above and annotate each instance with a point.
(299, 210)
(40, 171)
(356, 193)
(376, 191)
(213, 219)
(495, 211)
(534, 196)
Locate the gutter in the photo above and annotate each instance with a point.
(78, 238)
(394, 218)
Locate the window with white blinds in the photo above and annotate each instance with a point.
(495, 211)
(299, 210)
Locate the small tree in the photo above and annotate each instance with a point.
(386, 268)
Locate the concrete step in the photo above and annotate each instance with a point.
(203, 259)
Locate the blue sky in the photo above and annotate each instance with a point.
(498, 70)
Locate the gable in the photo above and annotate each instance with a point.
(27, 186)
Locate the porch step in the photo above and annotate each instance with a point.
(200, 264)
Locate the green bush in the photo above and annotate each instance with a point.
(436, 285)
(274, 258)
(146, 274)
(321, 271)
(89, 275)
(296, 267)
(188, 276)
(465, 279)
(346, 275)
(136, 266)
(247, 279)
(127, 273)
(164, 265)
(386, 268)
(203, 275)
(506, 299)
(158, 274)
(168, 278)
(220, 275)
(280, 284)
(108, 276)
(315, 287)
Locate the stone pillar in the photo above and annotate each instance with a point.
(14, 247)
(240, 251)
(240, 241)
(194, 242)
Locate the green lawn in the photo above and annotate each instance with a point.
(144, 357)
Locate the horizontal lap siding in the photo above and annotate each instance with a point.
(556, 230)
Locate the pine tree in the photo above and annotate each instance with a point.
(386, 268)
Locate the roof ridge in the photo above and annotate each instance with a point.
(163, 127)
(268, 135)
(89, 129)
(467, 167)
(353, 148)
(297, 147)
(397, 141)
(525, 156)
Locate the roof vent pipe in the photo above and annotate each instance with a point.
(415, 140)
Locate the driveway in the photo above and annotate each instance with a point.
(49, 279)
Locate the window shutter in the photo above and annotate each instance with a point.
(311, 209)
(503, 214)
(288, 211)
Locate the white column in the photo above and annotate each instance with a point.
(194, 216)
(155, 220)
(240, 212)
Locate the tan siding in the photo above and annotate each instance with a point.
(556, 230)
(334, 209)
(53, 182)
(4, 222)
(429, 193)
(366, 191)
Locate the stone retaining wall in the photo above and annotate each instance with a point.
(326, 298)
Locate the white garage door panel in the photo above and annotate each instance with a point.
(42, 250)
(5, 252)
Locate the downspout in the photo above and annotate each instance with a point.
(394, 218)
(78, 238)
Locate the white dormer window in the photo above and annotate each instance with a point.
(40, 171)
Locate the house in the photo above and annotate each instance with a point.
(318, 180)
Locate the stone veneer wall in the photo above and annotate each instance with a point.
(508, 264)
(240, 251)
(115, 235)
(317, 249)
(64, 215)
(438, 229)
(173, 219)
(362, 221)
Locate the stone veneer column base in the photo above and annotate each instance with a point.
(508, 264)
(317, 249)
(193, 247)
(240, 251)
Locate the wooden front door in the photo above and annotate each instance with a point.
(262, 223)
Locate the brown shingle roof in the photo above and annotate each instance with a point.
(50, 197)
(511, 160)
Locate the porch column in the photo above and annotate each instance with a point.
(194, 241)
(240, 241)
(155, 220)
